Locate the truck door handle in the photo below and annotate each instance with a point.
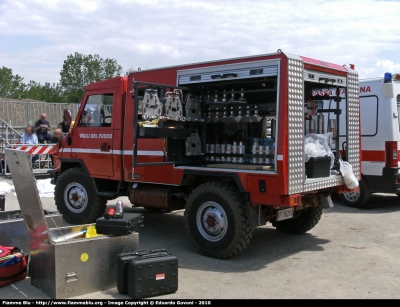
(230, 75)
(105, 147)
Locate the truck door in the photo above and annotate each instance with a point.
(92, 139)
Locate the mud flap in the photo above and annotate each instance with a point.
(254, 214)
(326, 201)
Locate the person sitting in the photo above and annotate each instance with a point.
(30, 138)
(58, 135)
(63, 126)
(98, 116)
(42, 127)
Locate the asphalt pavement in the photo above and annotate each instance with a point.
(351, 253)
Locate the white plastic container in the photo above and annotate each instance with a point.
(234, 148)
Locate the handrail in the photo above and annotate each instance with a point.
(8, 126)
(8, 135)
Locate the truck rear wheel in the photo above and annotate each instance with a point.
(216, 220)
(76, 198)
(303, 221)
(358, 198)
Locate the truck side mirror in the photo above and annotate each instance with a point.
(67, 118)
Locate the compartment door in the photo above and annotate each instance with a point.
(228, 72)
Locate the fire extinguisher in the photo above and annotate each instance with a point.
(344, 154)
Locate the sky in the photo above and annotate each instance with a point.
(36, 36)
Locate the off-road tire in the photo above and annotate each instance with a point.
(238, 231)
(96, 205)
(361, 201)
(305, 220)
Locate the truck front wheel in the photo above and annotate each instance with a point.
(216, 220)
(75, 197)
(303, 221)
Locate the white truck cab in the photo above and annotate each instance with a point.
(380, 136)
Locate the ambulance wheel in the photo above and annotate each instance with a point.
(76, 198)
(303, 221)
(356, 199)
(216, 220)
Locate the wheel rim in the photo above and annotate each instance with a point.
(212, 221)
(352, 196)
(75, 197)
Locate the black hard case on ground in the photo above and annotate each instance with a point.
(119, 226)
(147, 273)
(122, 267)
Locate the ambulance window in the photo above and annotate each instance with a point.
(369, 115)
(97, 112)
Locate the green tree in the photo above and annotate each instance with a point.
(79, 70)
(11, 86)
(129, 71)
(54, 92)
(47, 92)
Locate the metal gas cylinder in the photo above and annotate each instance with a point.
(119, 206)
(320, 124)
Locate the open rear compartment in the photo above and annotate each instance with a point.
(216, 117)
(325, 124)
(240, 123)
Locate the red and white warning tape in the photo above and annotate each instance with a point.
(35, 149)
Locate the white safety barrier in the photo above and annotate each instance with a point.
(40, 166)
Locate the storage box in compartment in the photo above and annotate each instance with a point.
(317, 167)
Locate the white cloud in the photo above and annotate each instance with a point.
(162, 33)
(388, 66)
(379, 68)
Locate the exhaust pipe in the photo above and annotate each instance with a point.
(152, 196)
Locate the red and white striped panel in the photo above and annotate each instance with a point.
(35, 149)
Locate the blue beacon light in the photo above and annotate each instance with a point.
(387, 78)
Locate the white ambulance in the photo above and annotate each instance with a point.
(380, 134)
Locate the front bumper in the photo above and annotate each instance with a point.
(389, 182)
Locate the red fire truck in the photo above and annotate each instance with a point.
(223, 139)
